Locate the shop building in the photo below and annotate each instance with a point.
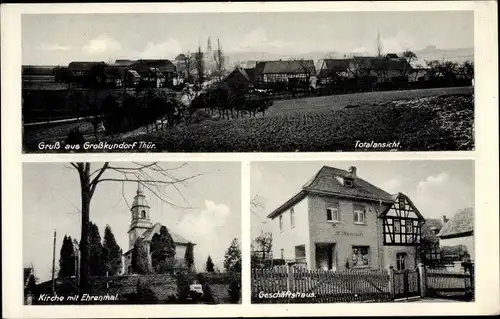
(338, 221)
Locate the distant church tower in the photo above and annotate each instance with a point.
(209, 47)
(140, 217)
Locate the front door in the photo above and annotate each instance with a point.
(401, 261)
(325, 257)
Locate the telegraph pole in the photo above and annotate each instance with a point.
(54, 265)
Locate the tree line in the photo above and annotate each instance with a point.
(105, 255)
(229, 103)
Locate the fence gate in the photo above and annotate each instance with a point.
(406, 284)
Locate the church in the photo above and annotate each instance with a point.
(141, 227)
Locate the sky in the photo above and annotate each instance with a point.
(51, 39)
(436, 187)
(51, 201)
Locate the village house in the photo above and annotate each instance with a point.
(459, 232)
(390, 68)
(333, 70)
(81, 69)
(238, 80)
(142, 227)
(159, 73)
(338, 220)
(285, 72)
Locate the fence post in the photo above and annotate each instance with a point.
(391, 281)
(422, 273)
(289, 269)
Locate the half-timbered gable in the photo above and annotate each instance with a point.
(402, 223)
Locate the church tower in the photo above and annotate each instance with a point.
(209, 47)
(141, 220)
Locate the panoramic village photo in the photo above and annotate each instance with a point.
(248, 82)
(131, 233)
(363, 231)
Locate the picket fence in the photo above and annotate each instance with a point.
(288, 284)
(280, 285)
(450, 285)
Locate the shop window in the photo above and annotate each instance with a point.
(360, 256)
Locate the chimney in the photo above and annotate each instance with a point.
(352, 170)
(445, 220)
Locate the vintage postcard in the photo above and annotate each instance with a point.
(248, 82)
(250, 159)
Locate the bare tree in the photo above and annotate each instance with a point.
(379, 46)
(307, 67)
(219, 62)
(409, 57)
(138, 173)
(200, 66)
(188, 58)
(361, 68)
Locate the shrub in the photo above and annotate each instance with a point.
(182, 287)
(208, 295)
(235, 290)
(145, 295)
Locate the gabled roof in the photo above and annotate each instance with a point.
(155, 229)
(377, 63)
(83, 65)
(429, 226)
(326, 182)
(123, 62)
(288, 67)
(333, 65)
(242, 72)
(460, 225)
(395, 199)
(163, 65)
(251, 73)
(134, 73)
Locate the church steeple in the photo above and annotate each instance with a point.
(141, 219)
(209, 46)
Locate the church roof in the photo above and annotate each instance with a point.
(155, 229)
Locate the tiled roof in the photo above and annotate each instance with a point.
(251, 73)
(243, 73)
(328, 180)
(460, 225)
(83, 65)
(333, 65)
(123, 62)
(155, 229)
(162, 65)
(289, 67)
(377, 63)
(429, 226)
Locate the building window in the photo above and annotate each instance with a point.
(359, 215)
(292, 217)
(401, 203)
(397, 226)
(332, 214)
(143, 214)
(401, 261)
(300, 254)
(281, 222)
(409, 227)
(347, 182)
(360, 256)
(282, 254)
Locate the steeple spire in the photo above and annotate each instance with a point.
(140, 189)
